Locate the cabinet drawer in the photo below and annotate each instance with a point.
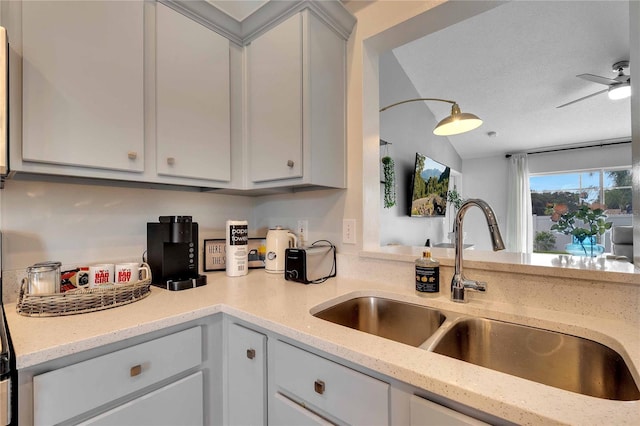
(425, 412)
(286, 412)
(178, 403)
(72, 390)
(331, 388)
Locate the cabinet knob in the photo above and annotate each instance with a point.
(251, 353)
(135, 370)
(171, 161)
(318, 386)
(132, 155)
(290, 163)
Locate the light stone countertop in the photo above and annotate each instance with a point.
(564, 266)
(284, 307)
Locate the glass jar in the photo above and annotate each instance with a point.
(44, 278)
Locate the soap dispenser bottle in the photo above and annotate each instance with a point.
(427, 273)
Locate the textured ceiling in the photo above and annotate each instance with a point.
(515, 63)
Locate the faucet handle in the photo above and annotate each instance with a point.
(475, 285)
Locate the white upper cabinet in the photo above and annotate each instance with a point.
(296, 105)
(83, 100)
(274, 82)
(179, 93)
(192, 99)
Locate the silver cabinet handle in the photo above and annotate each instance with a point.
(251, 353)
(290, 163)
(171, 161)
(136, 370)
(318, 386)
(132, 155)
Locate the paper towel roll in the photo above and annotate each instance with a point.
(237, 262)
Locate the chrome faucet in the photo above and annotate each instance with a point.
(459, 283)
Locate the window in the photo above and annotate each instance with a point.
(609, 187)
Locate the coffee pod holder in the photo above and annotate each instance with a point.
(81, 300)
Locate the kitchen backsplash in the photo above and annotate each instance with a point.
(79, 224)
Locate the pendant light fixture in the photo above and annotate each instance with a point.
(456, 123)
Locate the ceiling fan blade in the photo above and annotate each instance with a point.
(598, 79)
(583, 98)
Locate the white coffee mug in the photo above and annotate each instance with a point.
(131, 272)
(100, 274)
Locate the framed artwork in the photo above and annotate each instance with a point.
(215, 254)
(429, 188)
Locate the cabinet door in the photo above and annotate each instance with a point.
(82, 100)
(275, 102)
(193, 100)
(246, 356)
(178, 403)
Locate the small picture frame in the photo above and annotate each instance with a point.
(215, 254)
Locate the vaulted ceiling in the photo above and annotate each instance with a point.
(514, 64)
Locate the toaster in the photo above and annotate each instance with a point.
(310, 265)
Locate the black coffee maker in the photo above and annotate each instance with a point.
(172, 253)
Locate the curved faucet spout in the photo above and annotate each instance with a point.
(459, 283)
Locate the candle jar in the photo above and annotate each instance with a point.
(44, 278)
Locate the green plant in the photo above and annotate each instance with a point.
(454, 198)
(389, 182)
(544, 242)
(593, 221)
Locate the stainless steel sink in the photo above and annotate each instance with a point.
(560, 360)
(399, 321)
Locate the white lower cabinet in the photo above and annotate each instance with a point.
(219, 370)
(140, 384)
(425, 412)
(327, 389)
(283, 411)
(179, 403)
(247, 376)
(270, 381)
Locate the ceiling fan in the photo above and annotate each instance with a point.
(618, 87)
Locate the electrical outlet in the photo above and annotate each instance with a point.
(349, 231)
(303, 232)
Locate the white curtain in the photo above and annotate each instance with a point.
(519, 216)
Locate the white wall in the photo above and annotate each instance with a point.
(484, 178)
(634, 30)
(323, 209)
(76, 224)
(409, 128)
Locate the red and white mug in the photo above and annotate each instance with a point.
(131, 272)
(100, 274)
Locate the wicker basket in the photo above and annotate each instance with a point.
(80, 301)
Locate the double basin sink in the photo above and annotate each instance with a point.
(556, 359)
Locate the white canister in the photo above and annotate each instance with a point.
(236, 248)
